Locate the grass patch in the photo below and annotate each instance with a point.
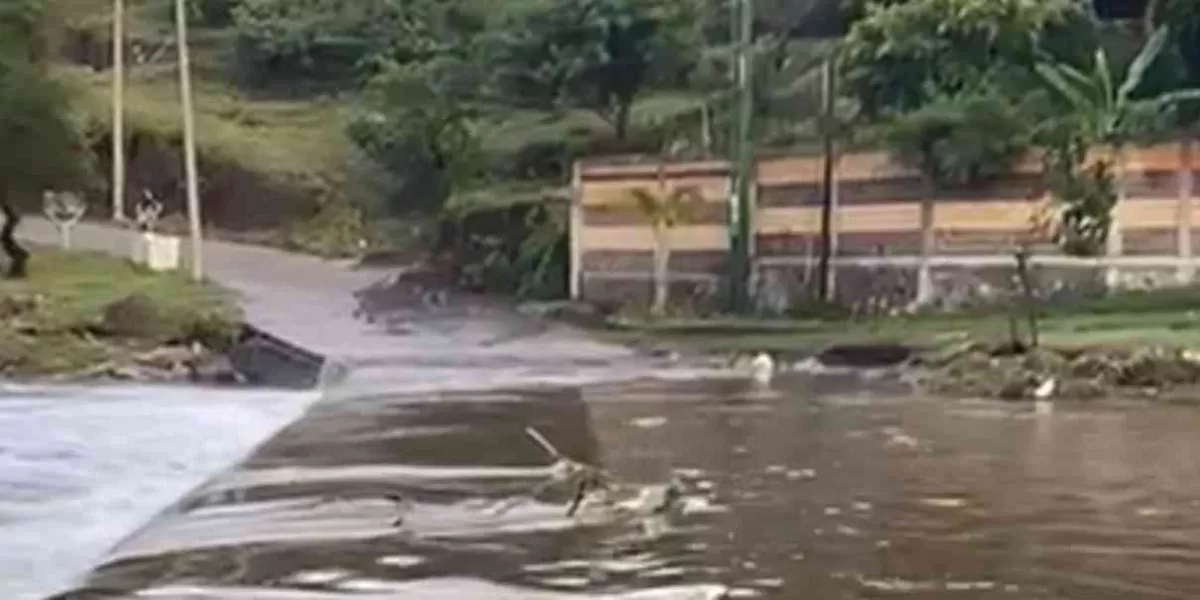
(286, 139)
(1165, 318)
(59, 319)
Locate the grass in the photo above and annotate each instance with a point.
(278, 138)
(1162, 318)
(54, 321)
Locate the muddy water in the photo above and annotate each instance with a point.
(820, 490)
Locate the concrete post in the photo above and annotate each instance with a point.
(928, 248)
(1183, 220)
(1116, 239)
(575, 232)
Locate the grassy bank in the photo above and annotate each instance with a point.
(1127, 320)
(80, 312)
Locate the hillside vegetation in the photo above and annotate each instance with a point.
(325, 122)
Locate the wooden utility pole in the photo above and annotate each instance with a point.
(742, 158)
(189, 139)
(118, 114)
(824, 272)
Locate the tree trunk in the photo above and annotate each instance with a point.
(18, 257)
(662, 272)
(1115, 243)
(621, 120)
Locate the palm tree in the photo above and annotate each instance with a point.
(664, 208)
(1108, 115)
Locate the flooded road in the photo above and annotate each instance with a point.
(82, 468)
(825, 488)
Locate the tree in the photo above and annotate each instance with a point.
(419, 123)
(664, 208)
(596, 54)
(899, 55)
(959, 139)
(1100, 111)
(39, 146)
(335, 40)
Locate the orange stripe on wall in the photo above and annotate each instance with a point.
(624, 237)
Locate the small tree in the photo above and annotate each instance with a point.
(1097, 111)
(38, 143)
(664, 208)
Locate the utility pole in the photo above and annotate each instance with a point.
(189, 139)
(118, 115)
(824, 280)
(742, 157)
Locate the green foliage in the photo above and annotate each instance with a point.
(42, 144)
(1086, 193)
(1098, 108)
(902, 54)
(281, 40)
(1104, 110)
(419, 125)
(959, 139)
(314, 38)
(597, 54)
(54, 321)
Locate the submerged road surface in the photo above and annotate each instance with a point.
(831, 488)
(82, 468)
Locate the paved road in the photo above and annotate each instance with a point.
(311, 302)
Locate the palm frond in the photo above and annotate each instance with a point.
(1053, 76)
(1137, 70)
(1103, 75)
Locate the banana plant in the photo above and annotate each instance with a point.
(1108, 113)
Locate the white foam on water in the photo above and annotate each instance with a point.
(80, 468)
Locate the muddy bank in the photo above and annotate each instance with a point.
(981, 370)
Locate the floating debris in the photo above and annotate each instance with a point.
(649, 422)
(947, 502)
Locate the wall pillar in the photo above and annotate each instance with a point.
(928, 248)
(1186, 270)
(575, 231)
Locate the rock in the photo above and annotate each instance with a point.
(134, 316)
(139, 373)
(865, 355)
(1094, 367)
(1157, 367)
(168, 358)
(1043, 360)
(1083, 389)
(216, 371)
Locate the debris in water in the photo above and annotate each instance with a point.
(649, 422)
(595, 487)
(944, 502)
(402, 561)
(805, 474)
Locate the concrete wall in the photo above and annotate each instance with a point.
(894, 236)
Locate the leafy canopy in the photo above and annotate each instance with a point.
(42, 144)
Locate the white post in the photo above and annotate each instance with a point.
(1187, 269)
(1115, 247)
(189, 139)
(576, 232)
(118, 114)
(928, 248)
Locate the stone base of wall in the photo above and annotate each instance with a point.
(880, 288)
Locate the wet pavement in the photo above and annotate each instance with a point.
(825, 488)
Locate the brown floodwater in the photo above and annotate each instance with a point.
(823, 488)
